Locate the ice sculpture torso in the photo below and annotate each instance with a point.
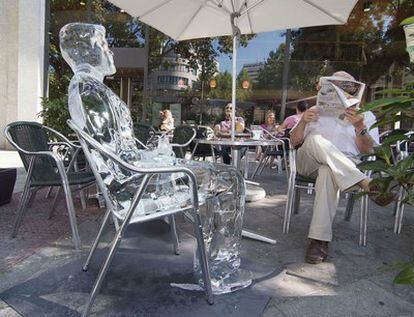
(96, 109)
(106, 118)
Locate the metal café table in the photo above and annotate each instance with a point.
(236, 147)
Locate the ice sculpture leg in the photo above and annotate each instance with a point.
(222, 228)
(96, 110)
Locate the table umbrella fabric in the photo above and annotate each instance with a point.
(192, 19)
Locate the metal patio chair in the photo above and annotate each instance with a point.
(143, 134)
(46, 168)
(298, 182)
(404, 150)
(183, 135)
(140, 177)
(279, 151)
(202, 151)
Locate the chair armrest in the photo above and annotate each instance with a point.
(140, 143)
(188, 142)
(64, 139)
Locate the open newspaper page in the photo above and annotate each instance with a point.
(336, 94)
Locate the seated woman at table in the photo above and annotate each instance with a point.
(223, 129)
(270, 124)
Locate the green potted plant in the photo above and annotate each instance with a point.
(391, 176)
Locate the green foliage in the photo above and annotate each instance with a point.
(406, 276)
(55, 113)
(392, 175)
(366, 46)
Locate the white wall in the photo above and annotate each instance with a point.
(21, 60)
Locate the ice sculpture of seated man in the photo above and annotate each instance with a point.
(97, 110)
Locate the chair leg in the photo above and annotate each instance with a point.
(32, 197)
(279, 164)
(72, 215)
(174, 236)
(363, 225)
(265, 162)
(395, 208)
(285, 162)
(289, 204)
(114, 246)
(400, 219)
(349, 206)
(55, 200)
(198, 230)
(296, 202)
(97, 239)
(258, 166)
(49, 192)
(21, 209)
(82, 198)
(102, 272)
(399, 210)
(246, 165)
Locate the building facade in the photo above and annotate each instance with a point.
(253, 70)
(22, 61)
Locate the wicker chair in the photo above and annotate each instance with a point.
(143, 133)
(183, 135)
(46, 168)
(201, 151)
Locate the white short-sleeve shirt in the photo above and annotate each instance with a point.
(339, 134)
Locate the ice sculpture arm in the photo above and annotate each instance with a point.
(159, 170)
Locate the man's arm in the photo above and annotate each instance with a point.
(297, 134)
(281, 128)
(363, 140)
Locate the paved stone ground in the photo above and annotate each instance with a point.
(355, 281)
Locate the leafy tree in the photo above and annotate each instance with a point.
(270, 77)
(366, 46)
(125, 31)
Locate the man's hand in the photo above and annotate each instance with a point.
(310, 115)
(355, 118)
(297, 133)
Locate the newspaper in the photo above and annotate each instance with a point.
(336, 94)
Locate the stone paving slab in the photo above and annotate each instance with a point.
(362, 298)
(355, 281)
(7, 311)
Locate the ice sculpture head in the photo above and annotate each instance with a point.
(84, 46)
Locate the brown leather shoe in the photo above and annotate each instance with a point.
(317, 251)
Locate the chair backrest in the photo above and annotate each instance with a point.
(100, 115)
(182, 135)
(202, 132)
(32, 137)
(143, 132)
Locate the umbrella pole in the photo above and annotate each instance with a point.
(233, 88)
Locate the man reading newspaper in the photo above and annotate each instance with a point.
(330, 136)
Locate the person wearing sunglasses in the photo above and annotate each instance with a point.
(223, 130)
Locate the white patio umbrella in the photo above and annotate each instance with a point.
(191, 19)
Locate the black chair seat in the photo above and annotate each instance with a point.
(304, 179)
(274, 153)
(74, 178)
